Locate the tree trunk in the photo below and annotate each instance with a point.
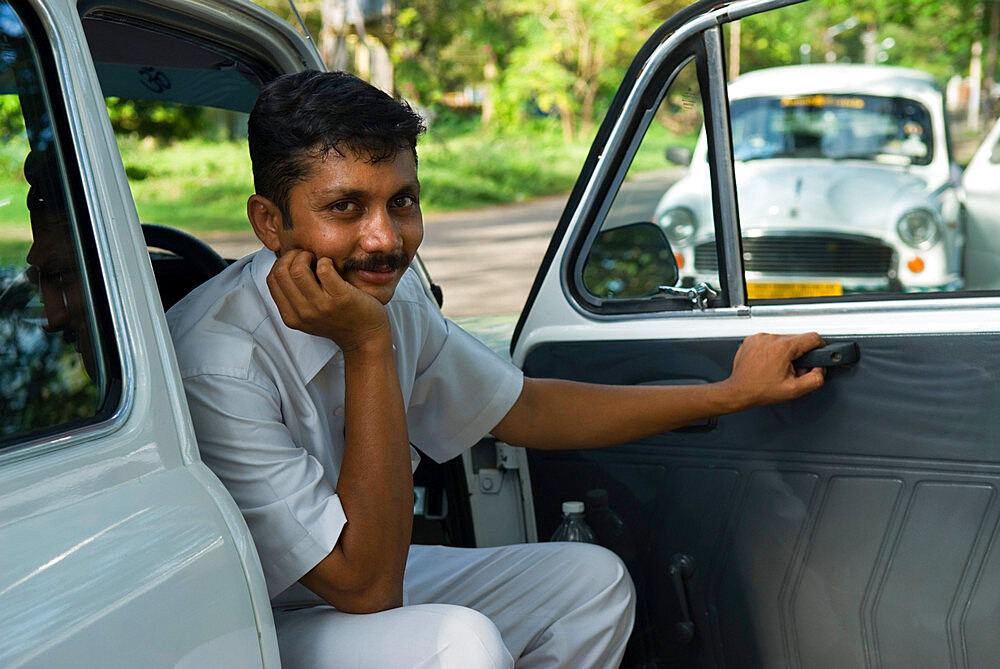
(332, 42)
(587, 109)
(734, 50)
(991, 54)
(975, 83)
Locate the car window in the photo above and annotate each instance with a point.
(178, 104)
(660, 189)
(57, 358)
(845, 174)
(832, 126)
(847, 180)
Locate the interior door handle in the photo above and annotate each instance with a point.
(832, 355)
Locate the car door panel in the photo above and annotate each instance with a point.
(852, 525)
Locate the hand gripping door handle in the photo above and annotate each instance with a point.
(832, 355)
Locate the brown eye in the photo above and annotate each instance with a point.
(343, 206)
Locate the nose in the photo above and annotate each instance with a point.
(381, 233)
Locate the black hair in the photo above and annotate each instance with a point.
(303, 116)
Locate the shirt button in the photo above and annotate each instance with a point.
(339, 412)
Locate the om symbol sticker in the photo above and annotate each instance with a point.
(153, 79)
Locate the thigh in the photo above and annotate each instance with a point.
(430, 636)
(525, 589)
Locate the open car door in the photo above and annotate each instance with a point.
(856, 526)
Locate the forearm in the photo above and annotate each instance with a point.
(564, 414)
(364, 573)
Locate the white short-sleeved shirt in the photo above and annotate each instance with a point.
(267, 403)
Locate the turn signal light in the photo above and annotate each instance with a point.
(916, 265)
(679, 257)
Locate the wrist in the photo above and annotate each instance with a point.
(732, 398)
(376, 342)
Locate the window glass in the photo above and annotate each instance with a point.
(847, 182)
(671, 193)
(178, 105)
(53, 368)
(891, 130)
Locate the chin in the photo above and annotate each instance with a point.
(381, 293)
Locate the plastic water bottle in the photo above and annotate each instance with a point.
(573, 527)
(609, 528)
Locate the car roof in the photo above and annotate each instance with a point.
(859, 79)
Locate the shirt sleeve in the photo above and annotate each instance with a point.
(461, 391)
(292, 510)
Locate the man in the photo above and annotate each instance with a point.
(52, 264)
(313, 365)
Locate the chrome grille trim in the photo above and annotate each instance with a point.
(806, 254)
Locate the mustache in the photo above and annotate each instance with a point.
(378, 262)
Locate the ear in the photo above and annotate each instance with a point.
(265, 217)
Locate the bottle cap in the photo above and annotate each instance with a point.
(572, 507)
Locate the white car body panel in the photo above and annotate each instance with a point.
(119, 547)
(981, 180)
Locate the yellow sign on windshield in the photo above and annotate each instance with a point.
(777, 291)
(823, 101)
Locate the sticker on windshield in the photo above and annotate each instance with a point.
(823, 101)
(153, 79)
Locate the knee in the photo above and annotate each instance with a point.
(467, 638)
(606, 574)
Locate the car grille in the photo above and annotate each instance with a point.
(825, 255)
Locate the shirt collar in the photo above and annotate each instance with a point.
(309, 352)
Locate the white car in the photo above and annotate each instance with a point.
(845, 184)
(856, 526)
(981, 181)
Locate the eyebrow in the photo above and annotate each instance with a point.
(336, 191)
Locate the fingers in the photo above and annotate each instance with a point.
(763, 370)
(810, 381)
(329, 279)
(804, 343)
(295, 288)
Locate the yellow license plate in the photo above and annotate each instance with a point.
(775, 291)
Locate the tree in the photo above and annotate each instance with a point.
(929, 35)
(573, 55)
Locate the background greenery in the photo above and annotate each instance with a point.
(536, 79)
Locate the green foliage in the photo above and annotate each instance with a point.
(11, 120)
(929, 35)
(487, 167)
(572, 56)
(194, 184)
(147, 118)
(439, 47)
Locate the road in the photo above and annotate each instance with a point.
(485, 260)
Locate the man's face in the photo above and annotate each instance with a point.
(365, 217)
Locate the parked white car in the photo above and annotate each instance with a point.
(981, 181)
(845, 184)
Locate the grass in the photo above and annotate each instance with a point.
(202, 185)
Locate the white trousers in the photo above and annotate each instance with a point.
(553, 605)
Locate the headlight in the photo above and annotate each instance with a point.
(679, 224)
(918, 228)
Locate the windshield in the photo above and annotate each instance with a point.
(865, 127)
